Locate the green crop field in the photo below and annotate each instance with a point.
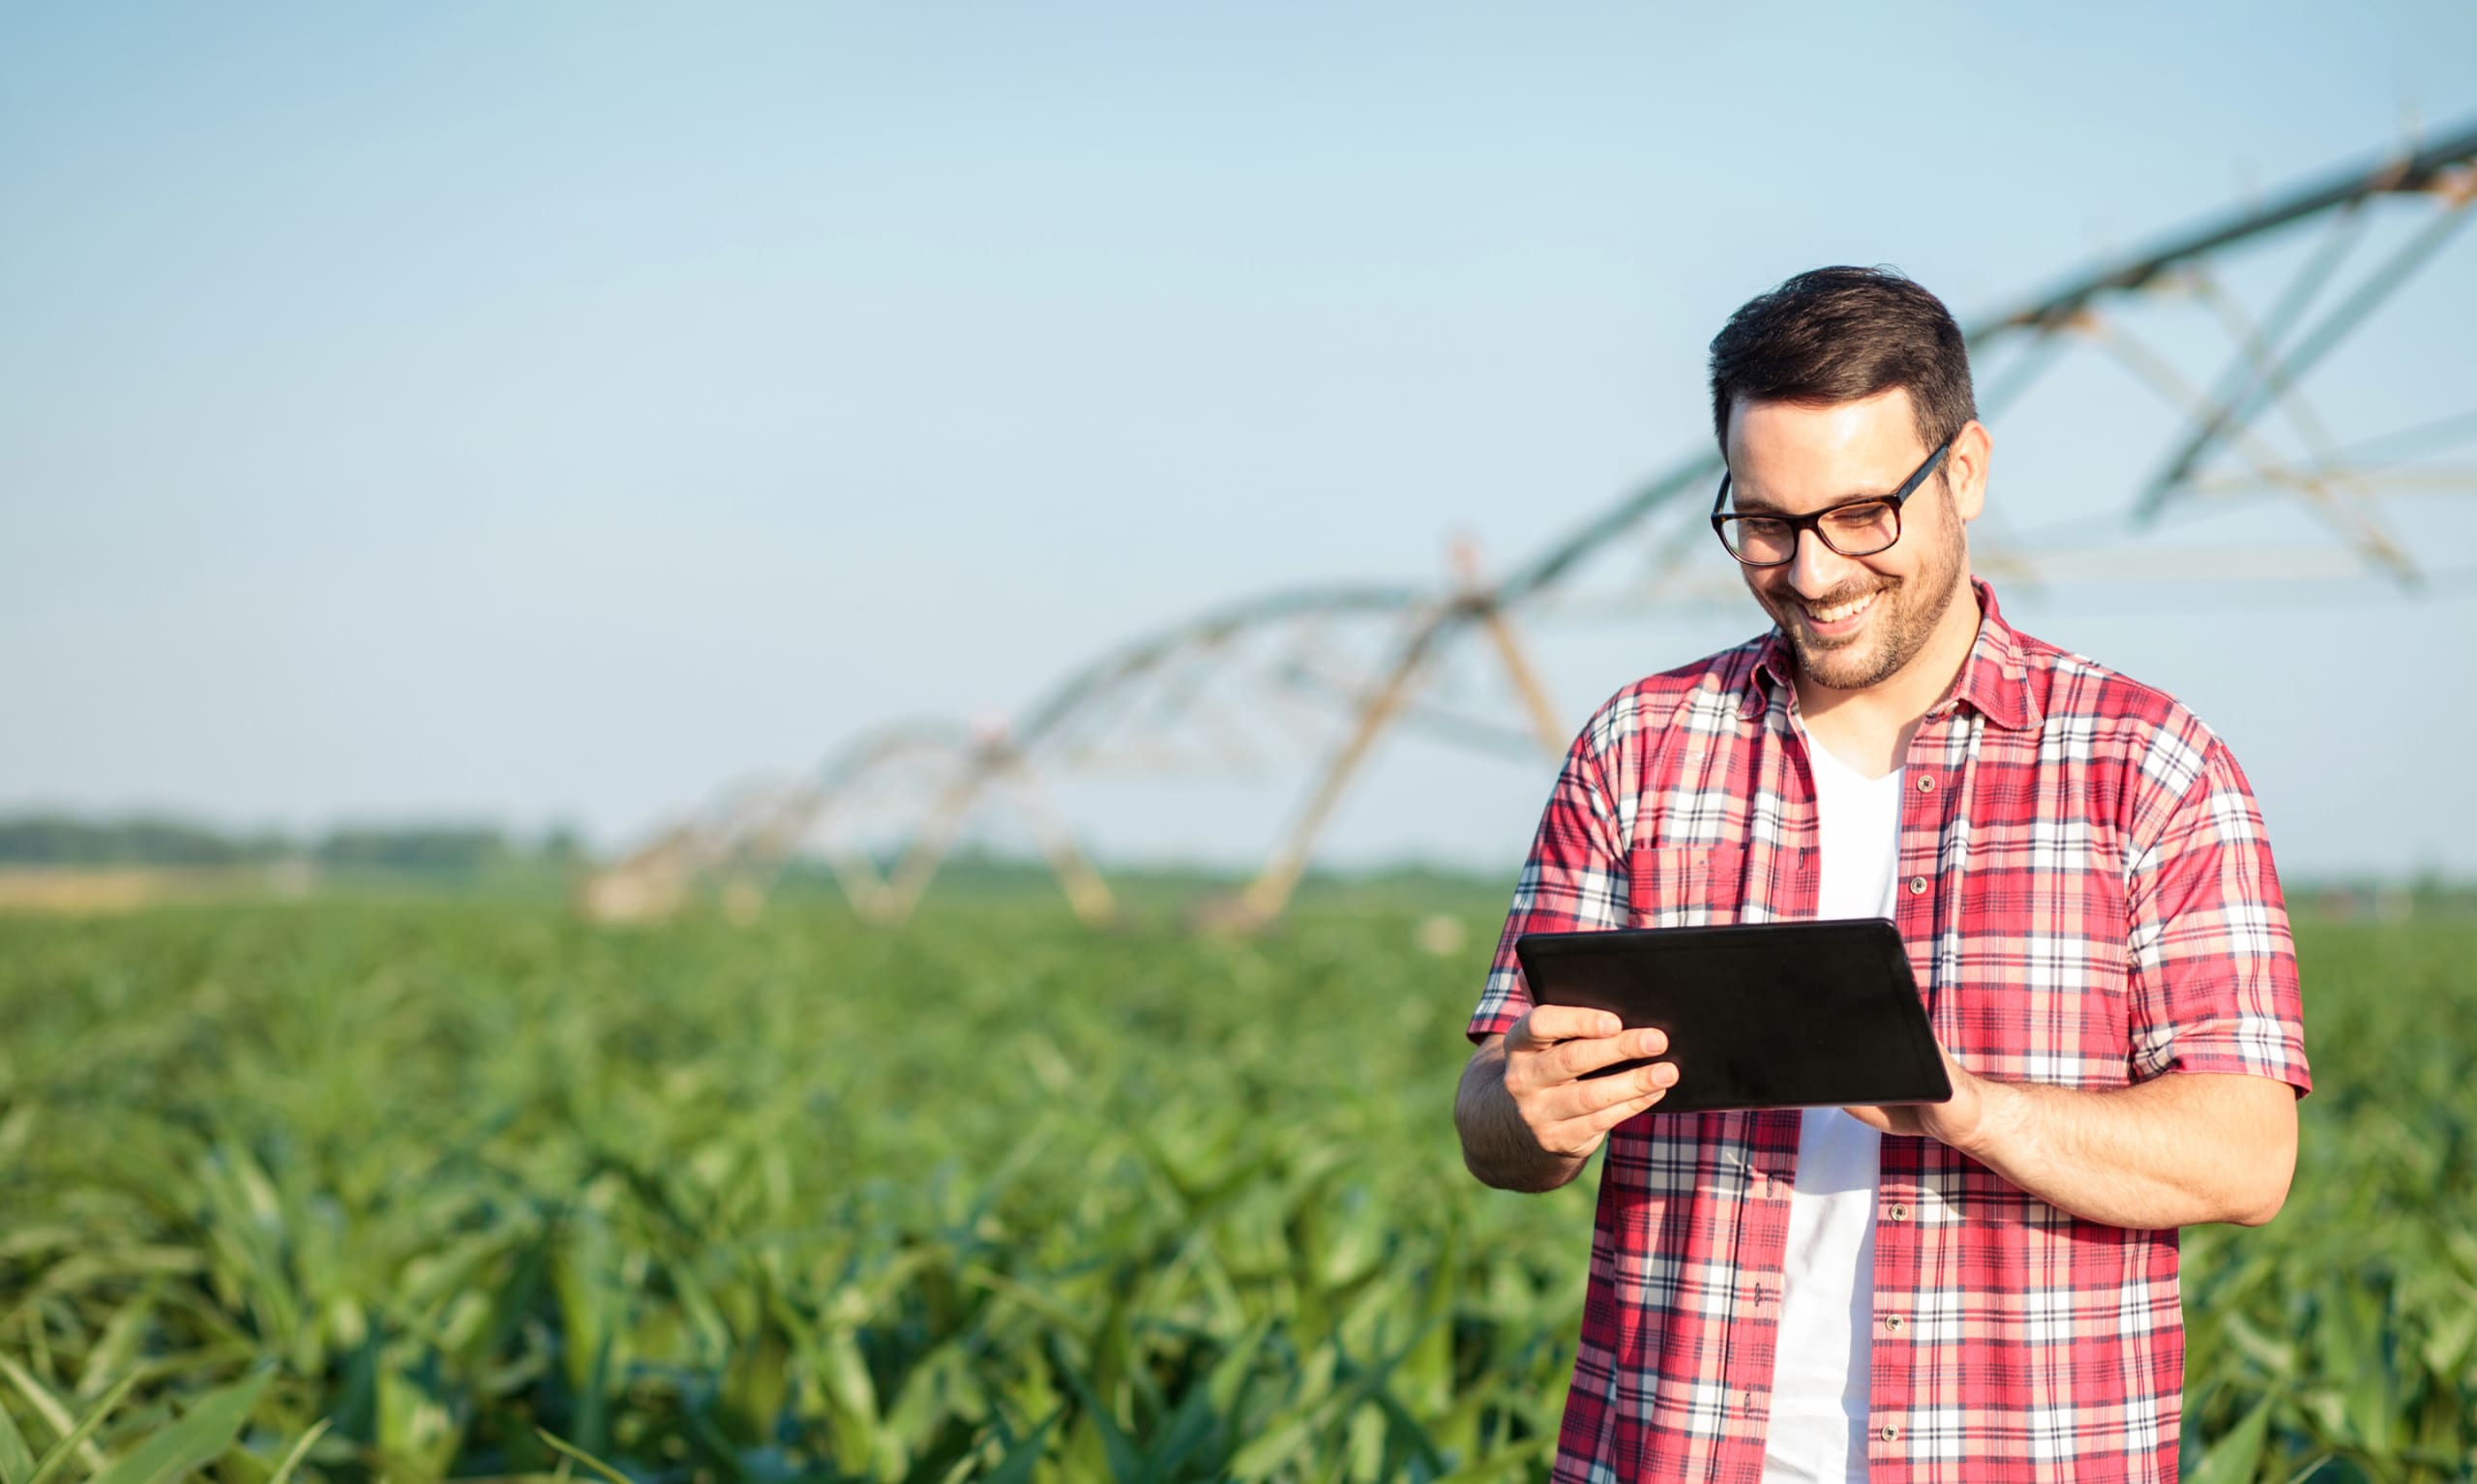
(423, 1191)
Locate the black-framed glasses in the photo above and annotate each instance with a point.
(1853, 527)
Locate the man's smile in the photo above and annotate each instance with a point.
(1837, 617)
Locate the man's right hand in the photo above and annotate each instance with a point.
(1529, 1116)
(1546, 1054)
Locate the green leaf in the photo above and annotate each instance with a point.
(298, 1451)
(1016, 1467)
(1126, 1461)
(40, 1396)
(2236, 1458)
(77, 1437)
(16, 1459)
(111, 1354)
(1274, 1447)
(584, 1458)
(193, 1442)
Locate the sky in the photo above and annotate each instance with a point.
(546, 414)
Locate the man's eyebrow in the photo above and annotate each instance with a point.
(1759, 506)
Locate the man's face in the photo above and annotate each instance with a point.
(1854, 622)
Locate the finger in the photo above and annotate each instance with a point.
(1876, 1119)
(1575, 1058)
(1583, 1099)
(1547, 1025)
(1533, 1068)
(1581, 1136)
(1618, 1113)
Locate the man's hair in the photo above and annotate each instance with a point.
(1835, 335)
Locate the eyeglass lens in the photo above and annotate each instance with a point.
(1852, 530)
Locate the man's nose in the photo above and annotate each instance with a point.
(1816, 568)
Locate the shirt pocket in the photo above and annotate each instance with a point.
(2038, 989)
(1682, 886)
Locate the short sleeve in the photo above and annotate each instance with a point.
(2214, 982)
(1572, 881)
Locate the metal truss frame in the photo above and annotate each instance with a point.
(744, 842)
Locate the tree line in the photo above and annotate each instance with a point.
(447, 849)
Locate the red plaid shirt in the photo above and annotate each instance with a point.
(2088, 901)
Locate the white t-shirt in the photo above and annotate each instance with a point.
(1822, 1365)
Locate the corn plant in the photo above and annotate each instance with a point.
(418, 1191)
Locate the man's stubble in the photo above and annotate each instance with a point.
(1911, 609)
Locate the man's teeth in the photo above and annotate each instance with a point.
(1840, 612)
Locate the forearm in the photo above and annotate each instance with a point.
(1497, 1146)
(2173, 1151)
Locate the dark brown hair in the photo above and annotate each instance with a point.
(1835, 335)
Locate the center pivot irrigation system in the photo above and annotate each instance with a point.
(1316, 675)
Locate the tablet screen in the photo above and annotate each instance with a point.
(1771, 1015)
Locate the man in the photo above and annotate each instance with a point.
(1982, 1288)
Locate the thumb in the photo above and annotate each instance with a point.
(1876, 1119)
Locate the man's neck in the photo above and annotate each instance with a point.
(1870, 728)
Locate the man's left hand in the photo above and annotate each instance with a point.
(1960, 1120)
(2171, 1150)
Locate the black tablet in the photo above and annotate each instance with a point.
(1769, 1015)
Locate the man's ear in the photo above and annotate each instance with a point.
(1965, 469)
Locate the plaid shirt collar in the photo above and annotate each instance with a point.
(1994, 679)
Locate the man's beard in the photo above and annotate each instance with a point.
(1905, 617)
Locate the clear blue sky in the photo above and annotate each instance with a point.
(551, 411)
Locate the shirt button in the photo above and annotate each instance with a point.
(1898, 1213)
(1917, 887)
(1925, 784)
(1888, 1433)
(1892, 1324)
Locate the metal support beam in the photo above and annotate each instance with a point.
(2359, 526)
(2224, 418)
(1525, 679)
(929, 847)
(1087, 893)
(1265, 896)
